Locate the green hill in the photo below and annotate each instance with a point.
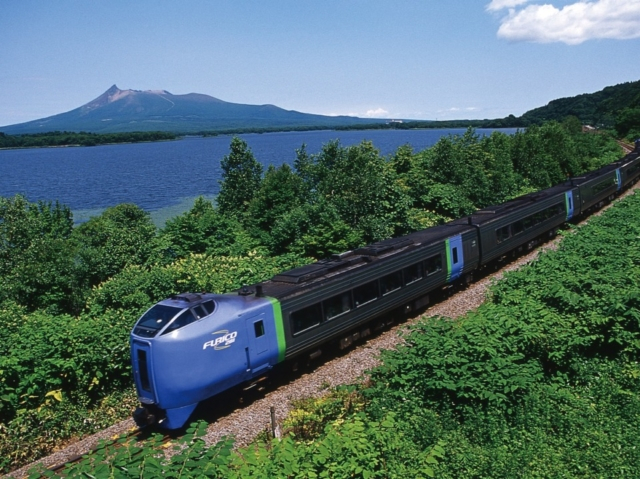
(602, 108)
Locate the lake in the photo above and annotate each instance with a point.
(165, 177)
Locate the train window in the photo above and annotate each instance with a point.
(517, 227)
(391, 282)
(433, 264)
(154, 320)
(258, 328)
(209, 306)
(533, 220)
(413, 273)
(454, 254)
(603, 185)
(306, 318)
(365, 293)
(181, 321)
(199, 311)
(338, 305)
(503, 234)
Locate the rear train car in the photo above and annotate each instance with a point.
(521, 223)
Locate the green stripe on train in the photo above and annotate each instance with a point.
(448, 251)
(277, 316)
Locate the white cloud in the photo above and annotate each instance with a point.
(573, 24)
(377, 113)
(496, 5)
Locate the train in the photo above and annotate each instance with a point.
(192, 346)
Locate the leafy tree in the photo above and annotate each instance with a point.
(544, 155)
(572, 124)
(315, 230)
(363, 188)
(504, 182)
(628, 120)
(203, 230)
(402, 159)
(241, 176)
(280, 192)
(460, 163)
(123, 235)
(36, 259)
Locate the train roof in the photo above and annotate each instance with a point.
(495, 212)
(288, 283)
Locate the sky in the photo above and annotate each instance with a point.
(401, 59)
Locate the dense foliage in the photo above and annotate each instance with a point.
(69, 296)
(68, 138)
(540, 381)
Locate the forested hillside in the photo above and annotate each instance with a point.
(613, 107)
(69, 296)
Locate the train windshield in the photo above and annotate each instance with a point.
(154, 320)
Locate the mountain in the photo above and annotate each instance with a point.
(599, 108)
(158, 110)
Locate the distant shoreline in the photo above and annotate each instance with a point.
(55, 137)
(78, 145)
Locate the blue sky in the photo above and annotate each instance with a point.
(421, 59)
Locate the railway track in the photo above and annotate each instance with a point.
(627, 147)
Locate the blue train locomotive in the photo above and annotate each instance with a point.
(190, 347)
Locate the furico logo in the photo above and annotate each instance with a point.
(221, 342)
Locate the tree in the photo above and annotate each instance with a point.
(37, 267)
(363, 188)
(313, 230)
(628, 120)
(203, 229)
(280, 192)
(461, 162)
(241, 177)
(123, 235)
(572, 124)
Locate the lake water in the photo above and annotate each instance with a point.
(164, 178)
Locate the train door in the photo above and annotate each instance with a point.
(455, 260)
(618, 179)
(258, 345)
(568, 200)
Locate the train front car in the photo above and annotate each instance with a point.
(192, 346)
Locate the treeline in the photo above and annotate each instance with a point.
(67, 138)
(508, 122)
(69, 296)
(612, 107)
